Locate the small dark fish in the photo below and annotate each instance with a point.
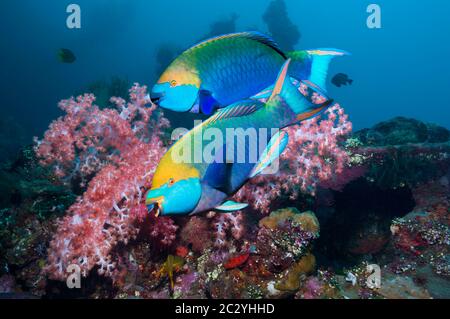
(341, 79)
(66, 56)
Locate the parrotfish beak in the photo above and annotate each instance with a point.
(155, 97)
(158, 92)
(155, 204)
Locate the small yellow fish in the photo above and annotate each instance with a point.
(172, 265)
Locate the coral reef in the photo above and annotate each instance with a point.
(31, 200)
(277, 248)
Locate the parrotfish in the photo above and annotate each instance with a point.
(186, 182)
(229, 68)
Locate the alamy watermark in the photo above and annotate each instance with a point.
(373, 281)
(372, 276)
(74, 278)
(73, 21)
(374, 19)
(232, 145)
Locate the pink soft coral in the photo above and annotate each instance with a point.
(313, 156)
(87, 138)
(225, 224)
(119, 147)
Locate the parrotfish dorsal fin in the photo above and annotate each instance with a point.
(280, 80)
(251, 35)
(264, 39)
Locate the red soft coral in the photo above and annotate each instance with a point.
(126, 154)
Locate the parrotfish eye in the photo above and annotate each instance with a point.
(173, 83)
(171, 182)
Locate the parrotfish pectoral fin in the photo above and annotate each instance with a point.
(230, 206)
(274, 149)
(208, 104)
(321, 59)
(237, 109)
(263, 95)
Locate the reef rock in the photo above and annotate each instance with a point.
(401, 130)
(400, 287)
(291, 278)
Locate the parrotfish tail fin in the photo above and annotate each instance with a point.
(313, 65)
(301, 102)
(321, 59)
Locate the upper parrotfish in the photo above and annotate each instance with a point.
(232, 67)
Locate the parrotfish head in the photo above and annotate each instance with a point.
(176, 188)
(174, 198)
(177, 89)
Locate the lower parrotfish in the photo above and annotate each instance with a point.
(197, 175)
(229, 68)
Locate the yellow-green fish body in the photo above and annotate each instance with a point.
(229, 68)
